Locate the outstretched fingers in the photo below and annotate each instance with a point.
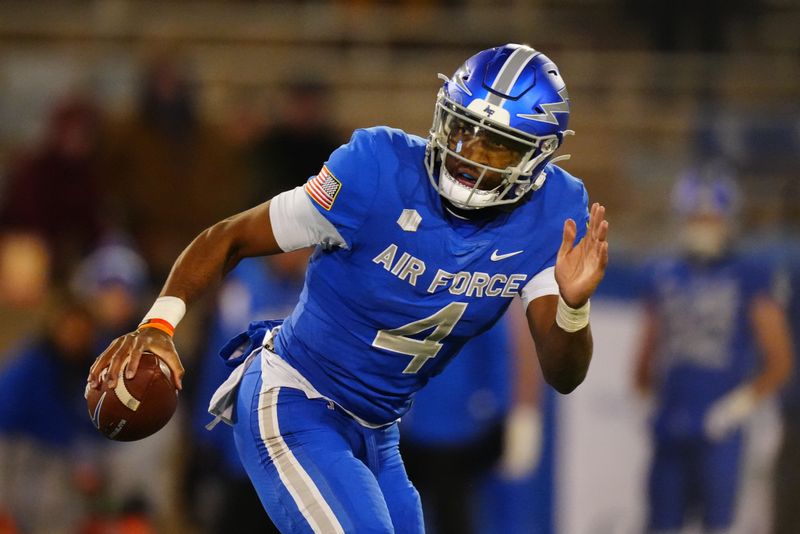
(602, 254)
(568, 238)
(598, 226)
(599, 232)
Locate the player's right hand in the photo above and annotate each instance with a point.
(580, 268)
(132, 345)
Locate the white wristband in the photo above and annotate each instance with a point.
(571, 319)
(170, 309)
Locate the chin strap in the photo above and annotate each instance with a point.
(565, 157)
(539, 182)
(454, 214)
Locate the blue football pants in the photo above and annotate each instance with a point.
(694, 477)
(318, 470)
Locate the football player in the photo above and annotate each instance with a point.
(716, 343)
(420, 246)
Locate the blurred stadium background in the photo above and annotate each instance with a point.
(655, 87)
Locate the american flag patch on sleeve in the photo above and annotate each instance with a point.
(323, 188)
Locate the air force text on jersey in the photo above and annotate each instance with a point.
(472, 284)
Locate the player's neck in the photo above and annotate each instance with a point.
(476, 215)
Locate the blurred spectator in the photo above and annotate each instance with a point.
(114, 279)
(24, 269)
(470, 420)
(293, 149)
(53, 191)
(47, 441)
(173, 175)
(224, 499)
(51, 478)
(715, 345)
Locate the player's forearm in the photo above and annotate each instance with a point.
(774, 341)
(643, 371)
(563, 340)
(219, 249)
(565, 356)
(773, 377)
(202, 264)
(526, 378)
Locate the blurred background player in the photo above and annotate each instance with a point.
(222, 499)
(472, 421)
(113, 281)
(715, 344)
(54, 464)
(113, 277)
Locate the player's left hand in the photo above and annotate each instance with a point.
(580, 268)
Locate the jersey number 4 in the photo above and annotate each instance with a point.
(421, 350)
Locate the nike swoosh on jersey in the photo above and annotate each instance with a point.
(498, 257)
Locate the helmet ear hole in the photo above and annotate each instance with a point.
(550, 145)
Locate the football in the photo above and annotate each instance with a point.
(135, 408)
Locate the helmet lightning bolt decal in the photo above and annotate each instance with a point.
(548, 110)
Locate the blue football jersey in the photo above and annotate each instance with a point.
(378, 317)
(707, 345)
